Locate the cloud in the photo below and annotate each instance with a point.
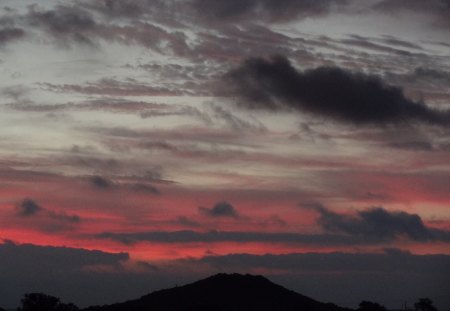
(188, 236)
(28, 207)
(63, 217)
(439, 9)
(112, 87)
(273, 220)
(80, 23)
(49, 256)
(367, 43)
(236, 122)
(391, 260)
(390, 40)
(146, 188)
(123, 8)
(46, 219)
(10, 34)
(378, 223)
(418, 145)
(112, 105)
(279, 11)
(66, 23)
(17, 93)
(330, 92)
(187, 222)
(367, 227)
(119, 8)
(219, 210)
(60, 271)
(101, 183)
(432, 74)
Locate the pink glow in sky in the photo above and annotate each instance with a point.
(167, 140)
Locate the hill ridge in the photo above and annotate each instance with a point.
(223, 292)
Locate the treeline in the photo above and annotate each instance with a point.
(43, 302)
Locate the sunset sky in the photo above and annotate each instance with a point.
(149, 143)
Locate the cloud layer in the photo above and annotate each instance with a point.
(329, 92)
(281, 11)
(112, 138)
(378, 223)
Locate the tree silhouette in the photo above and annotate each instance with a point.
(43, 302)
(370, 306)
(424, 304)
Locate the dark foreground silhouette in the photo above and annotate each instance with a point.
(222, 292)
(227, 292)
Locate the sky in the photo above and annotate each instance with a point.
(146, 144)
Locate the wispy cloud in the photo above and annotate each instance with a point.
(245, 10)
(66, 23)
(187, 236)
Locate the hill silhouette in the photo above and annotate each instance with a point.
(223, 292)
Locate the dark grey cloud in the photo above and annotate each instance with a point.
(64, 272)
(439, 9)
(390, 40)
(48, 256)
(246, 40)
(146, 188)
(63, 217)
(275, 11)
(186, 221)
(80, 24)
(123, 8)
(326, 91)
(120, 8)
(101, 182)
(391, 260)
(219, 210)
(28, 207)
(19, 94)
(372, 226)
(418, 145)
(66, 23)
(188, 236)
(87, 160)
(432, 74)
(379, 223)
(46, 219)
(10, 34)
(369, 44)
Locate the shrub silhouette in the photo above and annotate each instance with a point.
(370, 306)
(424, 304)
(43, 302)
